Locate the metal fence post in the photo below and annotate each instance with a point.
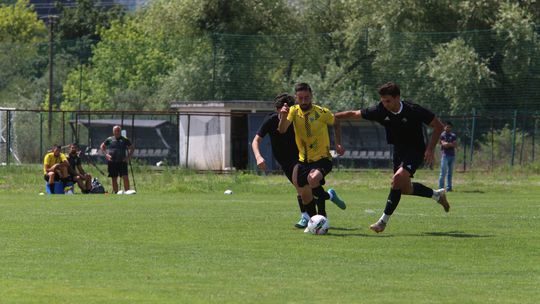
(523, 126)
(40, 134)
(533, 135)
(513, 139)
(472, 133)
(178, 139)
(63, 128)
(492, 143)
(8, 135)
(464, 156)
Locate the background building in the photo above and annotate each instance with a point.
(47, 7)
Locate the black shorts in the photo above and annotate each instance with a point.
(324, 165)
(56, 177)
(117, 169)
(410, 160)
(288, 170)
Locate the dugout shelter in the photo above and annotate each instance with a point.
(154, 140)
(217, 135)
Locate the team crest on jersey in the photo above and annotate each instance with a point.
(387, 118)
(404, 120)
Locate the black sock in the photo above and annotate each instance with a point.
(421, 190)
(393, 201)
(300, 204)
(51, 188)
(320, 193)
(321, 207)
(310, 208)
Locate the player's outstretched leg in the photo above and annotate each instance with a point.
(336, 199)
(438, 195)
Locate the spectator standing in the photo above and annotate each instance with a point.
(448, 141)
(118, 150)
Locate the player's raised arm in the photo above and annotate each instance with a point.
(355, 115)
(437, 127)
(284, 123)
(337, 127)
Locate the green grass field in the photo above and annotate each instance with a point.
(180, 240)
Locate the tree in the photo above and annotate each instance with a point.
(19, 23)
(125, 61)
(79, 26)
(457, 74)
(519, 55)
(20, 35)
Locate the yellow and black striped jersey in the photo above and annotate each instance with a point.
(311, 129)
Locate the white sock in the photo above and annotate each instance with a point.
(331, 195)
(305, 215)
(384, 218)
(435, 195)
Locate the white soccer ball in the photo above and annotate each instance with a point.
(228, 192)
(318, 224)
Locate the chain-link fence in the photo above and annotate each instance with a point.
(496, 139)
(222, 140)
(450, 73)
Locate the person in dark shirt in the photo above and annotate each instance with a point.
(448, 142)
(76, 171)
(285, 152)
(118, 150)
(403, 122)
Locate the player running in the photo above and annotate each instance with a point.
(403, 122)
(313, 142)
(286, 154)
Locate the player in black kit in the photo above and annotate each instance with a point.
(403, 122)
(286, 153)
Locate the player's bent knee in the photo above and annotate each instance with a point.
(312, 182)
(400, 180)
(314, 178)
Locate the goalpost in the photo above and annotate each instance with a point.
(8, 151)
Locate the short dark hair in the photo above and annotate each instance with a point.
(389, 88)
(302, 86)
(449, 124)
(282, 99)
(57, 146)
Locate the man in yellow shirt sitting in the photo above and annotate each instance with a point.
(55, 166)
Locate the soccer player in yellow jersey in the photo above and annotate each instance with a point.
(311, 135)
(55, 166)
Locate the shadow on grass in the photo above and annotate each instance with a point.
(472, 191)
(455, 234)
(359, 230)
